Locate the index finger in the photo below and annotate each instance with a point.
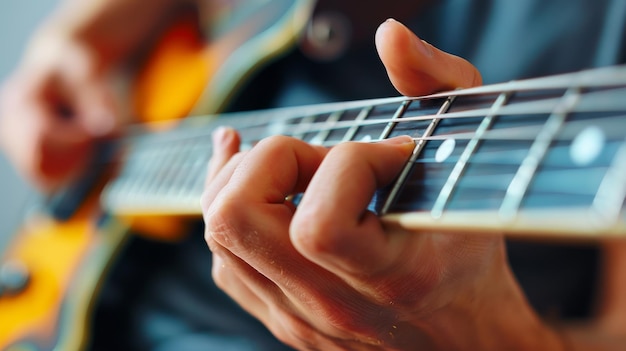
(331, 225)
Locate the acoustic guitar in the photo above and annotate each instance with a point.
(544, 158)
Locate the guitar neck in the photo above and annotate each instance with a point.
(539, 156)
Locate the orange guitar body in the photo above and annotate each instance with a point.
(64, 261)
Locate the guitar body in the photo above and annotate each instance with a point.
(54, 267)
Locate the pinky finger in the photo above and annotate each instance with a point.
(225, 144)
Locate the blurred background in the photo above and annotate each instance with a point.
(18, 19)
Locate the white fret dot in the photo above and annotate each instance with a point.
(445, 150)
(366, 138)
(587, 145)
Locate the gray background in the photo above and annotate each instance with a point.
(18, 19)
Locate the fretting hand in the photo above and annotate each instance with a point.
(328, 275)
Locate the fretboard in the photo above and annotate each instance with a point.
(544, 156)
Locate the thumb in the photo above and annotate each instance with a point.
(416, 67)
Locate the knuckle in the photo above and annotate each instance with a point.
(314, 235)
(223, 223)
(408, 291)
(276, 142)
(349, 148)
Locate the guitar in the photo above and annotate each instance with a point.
(46, 299)
(542, 157)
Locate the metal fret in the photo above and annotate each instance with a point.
(394, 120)
(195, 167)
(419, 146)
(359, 118)
(525, 173)
(459, 167)
(323, 134)
(303, 127)
(525, 164)
(610, 196)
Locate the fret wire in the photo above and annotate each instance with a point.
(196, 170)
(611, 126)
(343, 124)
(598, 77)
(604, 77)
(363, 114)
(302, 128)
(521, 181)
(394, 119)
(323, 134)
(493, 181)
(485, 183)
(459, 167)
(534, 108)
(585, 104)
(609, 198)
(171, 171)
(417, 150)
(597, 120)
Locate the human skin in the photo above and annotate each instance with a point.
(329, 275)
(59, 102)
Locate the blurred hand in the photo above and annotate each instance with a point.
(54, 108)
(328, 275)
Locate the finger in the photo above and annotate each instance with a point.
(231, 275)
(331, 226)
(250, 219)
(275, 168)
(226, 143)
(217, 183)
(264, 300)
(416, 67)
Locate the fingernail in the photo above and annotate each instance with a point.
(399, 140)
(221, 136)
(424, 47)
(420, 45)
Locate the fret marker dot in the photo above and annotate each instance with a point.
(366, 138)
(587, 145)
(445, 150)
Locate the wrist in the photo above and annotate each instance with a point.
(495, 317)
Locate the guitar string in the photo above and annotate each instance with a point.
(464, 114)
(188, 181)
(611, 125)
(480, 183)
(612, 77)
(609, 99)
(261, 125)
